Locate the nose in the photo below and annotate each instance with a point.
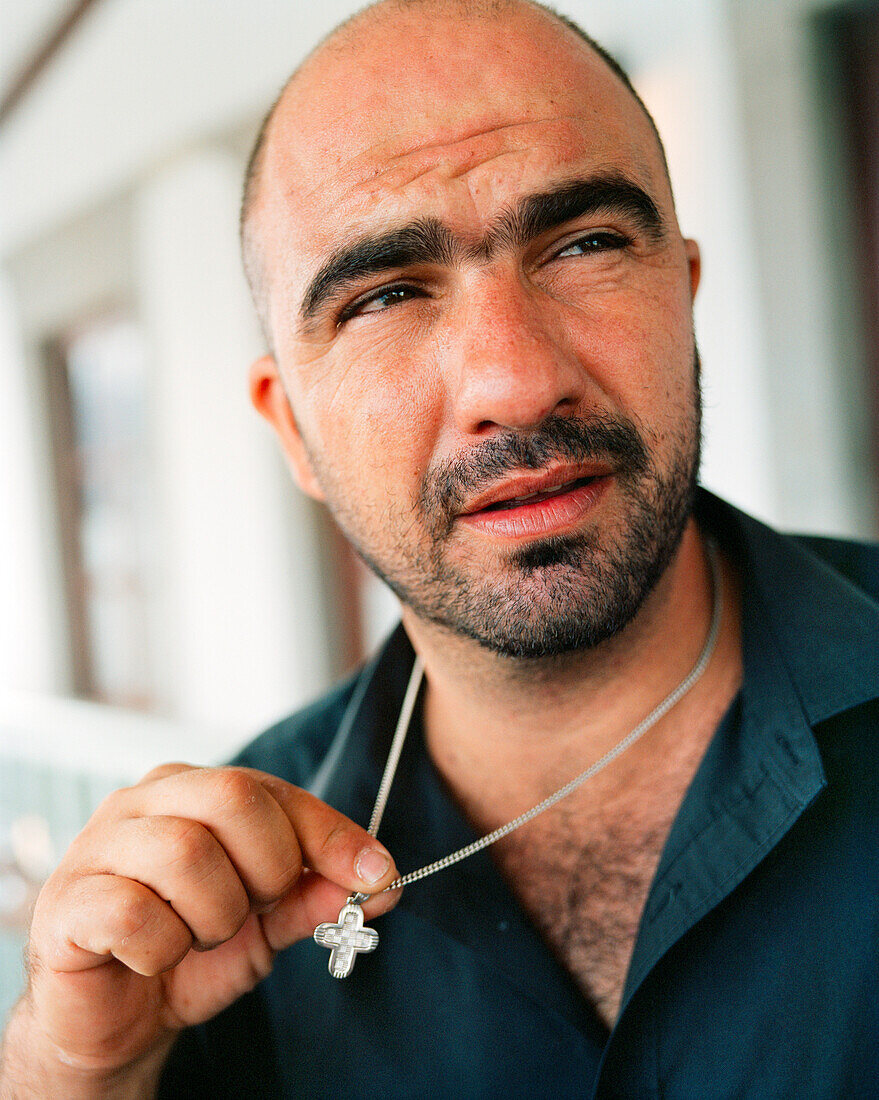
(508, 360)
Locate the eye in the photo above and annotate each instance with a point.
(601, 241)
(377, 301)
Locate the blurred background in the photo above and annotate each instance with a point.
(164, 591)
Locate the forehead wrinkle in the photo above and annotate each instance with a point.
(400, 160)
(429, 240)
(454, 157)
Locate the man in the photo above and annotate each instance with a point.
(462, 240)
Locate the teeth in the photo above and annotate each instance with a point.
(514, 502)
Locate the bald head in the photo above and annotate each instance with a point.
(344, 41)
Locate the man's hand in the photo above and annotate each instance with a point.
(171, 904)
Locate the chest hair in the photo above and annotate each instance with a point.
(584, 883)
(582, 872)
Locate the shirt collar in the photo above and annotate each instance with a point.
(824, 625)
(809, 653)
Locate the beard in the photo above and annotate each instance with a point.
(560, 594)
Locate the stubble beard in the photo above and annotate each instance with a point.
(557, 595)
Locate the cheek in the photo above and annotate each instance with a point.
(374, 420)
(639, 347)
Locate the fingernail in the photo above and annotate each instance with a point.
(371, 865)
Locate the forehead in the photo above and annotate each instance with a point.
(480, 112)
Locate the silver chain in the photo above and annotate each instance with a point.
(405, 718)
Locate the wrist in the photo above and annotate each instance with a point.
(32, 1066)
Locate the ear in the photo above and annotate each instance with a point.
(270, 400)
(694, 263)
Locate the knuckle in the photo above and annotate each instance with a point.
(162, 771)
(287, 876)
(224, 926)
(51, 890)
(129, 910)
(188, 843)
(236, 788)
(340, 839)
(277, 881)
(234, 913)
(225, 917)
(111, 805)
(160, 955)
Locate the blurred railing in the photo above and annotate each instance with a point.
(58, 759)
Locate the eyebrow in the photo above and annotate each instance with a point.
(429, 241)
(421, 242)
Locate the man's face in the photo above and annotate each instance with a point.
(481, 308)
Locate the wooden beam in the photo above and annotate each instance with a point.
(42, 56)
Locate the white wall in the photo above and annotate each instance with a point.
(236, 613)
(30, 586)
(814, 374)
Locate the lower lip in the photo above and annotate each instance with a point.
(536, 518)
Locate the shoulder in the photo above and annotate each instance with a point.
(322, 746)
(857, 561)
(294, 747)
(812, 602)
(793, 570)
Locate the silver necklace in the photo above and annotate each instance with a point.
(347, 937)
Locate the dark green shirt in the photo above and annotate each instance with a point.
(754, 973)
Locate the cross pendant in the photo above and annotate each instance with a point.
(346, 939)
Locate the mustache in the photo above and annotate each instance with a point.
(614, 439)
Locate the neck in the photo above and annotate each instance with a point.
(531, 725)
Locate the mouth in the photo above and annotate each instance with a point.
(546, 494)
(537, 505)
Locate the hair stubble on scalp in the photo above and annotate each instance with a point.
(250, 249)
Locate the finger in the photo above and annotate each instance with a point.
(232, 803)
(314, 901)
(97, 918)
(183, 863)
(332, 844)
(239, 811)
(171, 768)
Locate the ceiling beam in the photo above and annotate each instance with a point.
(42, 56)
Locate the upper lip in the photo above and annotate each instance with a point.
(523, 485)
